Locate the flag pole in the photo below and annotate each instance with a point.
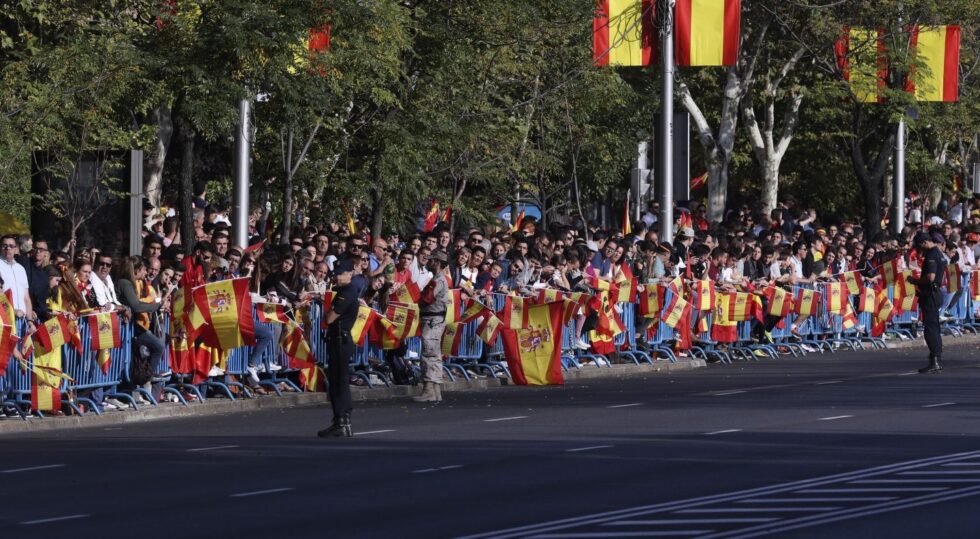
(665, 168)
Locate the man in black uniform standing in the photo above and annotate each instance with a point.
(340, 347)
(930, 296)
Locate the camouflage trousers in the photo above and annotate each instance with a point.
(432, 328)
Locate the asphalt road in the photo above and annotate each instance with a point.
(848, 445)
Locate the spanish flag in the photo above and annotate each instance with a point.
(452, 335)
(863, 63)
(362, 326)
(534, 353)
(405, 319)
(906, 304)
(626, 285)
(867, 300)
(181, 355)
(853, 281)
(975, 284)
(226, 307)
(835, 298)
(489, 329)
(518, 222)
(514, 312)
(805, 304)
(384, 334)
(739, 307)
(651, 300)
(351, 223)
(780, 301)
(8, 342)
(53, 334)
(474, 309)
(903, 288)
(674, 313)
(431, 217)
(707, 32)
(936, 77)
(849, 319)
(294, 343)
(7, 316)
(885, 311)
(45, 395)
(953, 278)
(455, 298)
(104, 331)
(272, 313)
(704, 296)
(889, 272)
(623, 33)
(723, 328)
(407, 293)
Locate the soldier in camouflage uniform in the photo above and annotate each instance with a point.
(432, 308)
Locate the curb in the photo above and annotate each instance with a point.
(219, 406)
(968, 338)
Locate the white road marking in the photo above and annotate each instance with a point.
(600, 535)
(821, 500)
(831, 418)
(828, 382)
(505, 419)
(53, 519)
(626, 405)
(590, 448)
(439, 469)
(33, 468)
(908, 373)
(962, 464)
(213, 448)
(758, 510)
(888, 481)
(943, 472)
(660, 521)
(880, 489)
(726, 431)
(727, 393)
(260, 492)
(938, 405)
(365, 433)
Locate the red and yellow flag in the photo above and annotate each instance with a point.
(7, 316)
(105, 335)
(408, 292)
(45, 396)
(384, 334)
(853, 282)
(885, 311)
(366, 317)
(651, 300)
(626, 285)
(455, 298)
(514, 312)
(704, 296)
(975, 284)
(674, 312)
(862, 61)
(627, 225)
(431, 217)
(53, 334)
(623, 33)
(474, 309)
(452, 336)
(724, 329)
(849, 319)
(226, 307)
(405, 319)
(489, 329)
(294, 343)
(739, 307)
(953, 278)
(8, 343)
(936, 77)
(780, 301)
(867, 300)
(272, 313)
(707, 32)
(835, 298)
(534, 353)
(890, 273)
(805, 303)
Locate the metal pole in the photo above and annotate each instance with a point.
(898, 189)
(665, 168)
(243, 147)
(136, 202)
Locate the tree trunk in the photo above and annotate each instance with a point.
(377, 210)
(717, 188)
(287, 194)
(187, 136)
(161, 116)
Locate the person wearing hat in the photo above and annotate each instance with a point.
(340, 347)
(432, 310)
(930, 296)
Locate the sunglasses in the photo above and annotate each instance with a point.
(8, 246)
(365, 259)
(104, 265)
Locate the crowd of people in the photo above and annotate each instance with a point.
(749, 248)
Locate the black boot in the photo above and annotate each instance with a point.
(935, 366)
(339, 429)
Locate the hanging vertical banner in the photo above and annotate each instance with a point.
(935, 76)
(706, 32)
(861, 58)
(623, 33)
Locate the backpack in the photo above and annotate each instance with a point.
(140, 370)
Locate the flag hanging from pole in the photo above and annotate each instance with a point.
(862, 61)
(936, 75)
(623, 33)
(707, 32)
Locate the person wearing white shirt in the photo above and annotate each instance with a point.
(102, 285)
(15, 279)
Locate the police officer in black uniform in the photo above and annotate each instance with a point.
(340, 347)
(930, 296)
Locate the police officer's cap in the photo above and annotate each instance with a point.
(920, 238)
(343, 266)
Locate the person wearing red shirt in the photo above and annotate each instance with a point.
(195, 267)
